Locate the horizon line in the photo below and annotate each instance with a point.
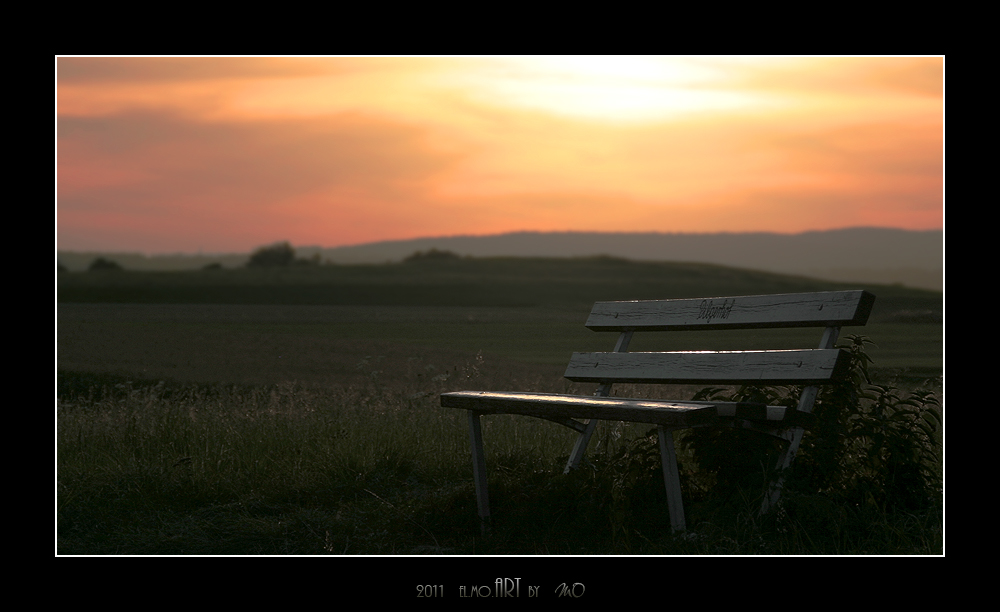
(201, 252)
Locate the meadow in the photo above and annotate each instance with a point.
(296, 411)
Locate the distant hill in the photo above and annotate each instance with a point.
(873, 255)
(912, 258)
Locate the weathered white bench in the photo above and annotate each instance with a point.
(809, 367)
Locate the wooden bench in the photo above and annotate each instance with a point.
(809, 367)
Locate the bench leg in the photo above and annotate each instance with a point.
(806, 402)
(784, 462)
(603, 391)
(671, 478)
(479, 470)
(580, 447)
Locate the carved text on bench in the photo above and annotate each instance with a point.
(709, 310)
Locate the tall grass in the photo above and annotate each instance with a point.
(163, 468)
(376, 466)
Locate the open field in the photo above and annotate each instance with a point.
(274, 422)
(294, 321)
(321, 345)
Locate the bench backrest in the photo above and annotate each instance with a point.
(831, 310)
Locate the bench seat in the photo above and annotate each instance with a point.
(558, 407)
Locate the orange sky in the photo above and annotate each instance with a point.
(162, 155)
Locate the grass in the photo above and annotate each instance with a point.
(378, 468)
(194, 469)
(296, 412)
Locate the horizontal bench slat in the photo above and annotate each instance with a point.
(823, 309)
(660, 412)
(808, 366)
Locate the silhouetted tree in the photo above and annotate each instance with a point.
(101, 264)
(280, 254)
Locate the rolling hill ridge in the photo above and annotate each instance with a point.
(875, 255)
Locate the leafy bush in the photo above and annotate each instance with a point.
(872, 448)
(869, 447)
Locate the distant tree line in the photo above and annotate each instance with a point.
(432, 255)
(279, 255)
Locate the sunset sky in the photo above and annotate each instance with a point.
(170, 155)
